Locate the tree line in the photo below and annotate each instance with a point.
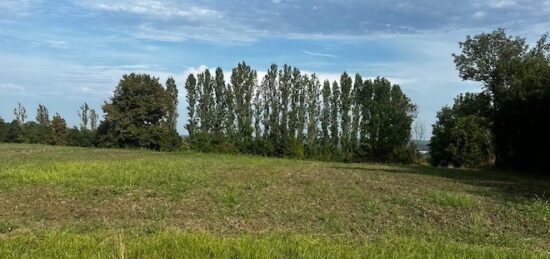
(292, 114)
(508, 123)
(286, 114)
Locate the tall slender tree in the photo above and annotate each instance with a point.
(356, 112)
(191, 96)
(312, 95)
(83, 115)
(326, 120)
(93, 119)
(345, 106)
(172, 102)
(335, 119)
(20, 114)
(42, 115)
(220, 105)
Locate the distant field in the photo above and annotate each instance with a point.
(63, 202)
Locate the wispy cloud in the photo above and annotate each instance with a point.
(153, 8)
(11, 87)
(319, 54)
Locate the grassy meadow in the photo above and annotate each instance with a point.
(63, 202)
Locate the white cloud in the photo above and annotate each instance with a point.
(153, 8)
(479, 14)
(311, 53)
(11, 87)
(502, 3)
(58, 44)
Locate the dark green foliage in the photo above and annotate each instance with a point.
(80, 137)
(59, 130)
(36, 133)
(461, 135)
(517, 80)
(137, 115)
(388, 125)
(3, 130)
(14, 133)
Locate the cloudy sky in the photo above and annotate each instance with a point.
(62, 53)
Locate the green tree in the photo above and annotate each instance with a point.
(515, 77)
(93, 119)
(221, 104)
(83, 115)
(325, 120)
(356, 112)
(191, 96)
(243, 81)
(3, 130)
(335, 120)
(461, 136)
(313, 108)
(14, 133)
(172, 102)
(59, 130)
(206, 104)
(20, 114)
(135, 117)
(42, 115)
(345, 107)
(285, 89)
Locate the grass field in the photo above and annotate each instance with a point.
(63, 202)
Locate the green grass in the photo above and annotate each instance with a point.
(61, 202)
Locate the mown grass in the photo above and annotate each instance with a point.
(62, 202)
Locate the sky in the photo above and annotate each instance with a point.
(62, 53)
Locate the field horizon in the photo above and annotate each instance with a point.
(67, 202)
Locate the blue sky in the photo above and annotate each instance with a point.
(65, 52)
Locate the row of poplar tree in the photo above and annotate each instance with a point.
(292, 114)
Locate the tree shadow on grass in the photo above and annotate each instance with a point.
(511, 185)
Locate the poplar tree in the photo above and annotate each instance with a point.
(244, 80)
(326, 120)
(42, 115)
(220, 105)
(191, 96)
(365, 101)
(285, 77)
(295, 82)
(302, 109)
(312, 96)
(229, 120)
(83, 115)
(20, 114)
(334, 119)
(206, 103)
(345, 106)
(356, 112)
(172, 102)
(93, 119)
(272, 109)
